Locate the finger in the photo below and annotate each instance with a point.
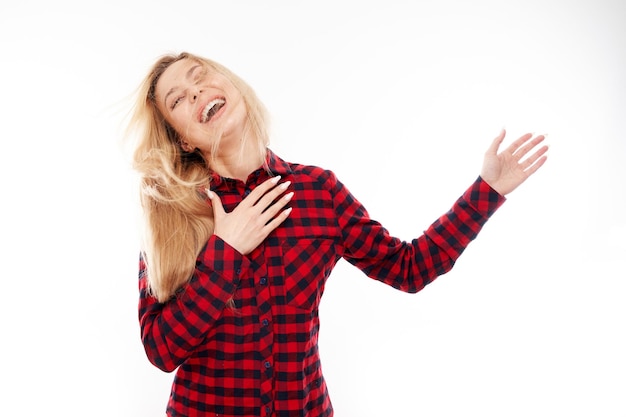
(216, 203)
(260, 191)
(530, 171)
(278, 220)
(530, 161)
(514, 147)
(523, 150)
(493, 149)
(273, 209)
(272, 195)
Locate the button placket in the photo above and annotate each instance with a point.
(265, 313)
(266, 339)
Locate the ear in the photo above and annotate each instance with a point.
(186, 147)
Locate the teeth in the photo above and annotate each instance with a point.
(206, 113)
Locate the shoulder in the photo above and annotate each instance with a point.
(313, 173)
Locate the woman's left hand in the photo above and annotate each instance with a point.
(506, 170)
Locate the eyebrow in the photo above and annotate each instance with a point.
(173, 89)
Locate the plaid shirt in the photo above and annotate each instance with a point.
(261, 358)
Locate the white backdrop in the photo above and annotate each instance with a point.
(400, 99)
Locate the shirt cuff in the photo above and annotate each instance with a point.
(220, 258)
(484, 199)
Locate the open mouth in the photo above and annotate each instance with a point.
(211, 109)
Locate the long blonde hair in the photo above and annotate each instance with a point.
(177, 219)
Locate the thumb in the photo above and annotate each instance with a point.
(218, 209)
(493, 149)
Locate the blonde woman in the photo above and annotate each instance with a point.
(239, 243)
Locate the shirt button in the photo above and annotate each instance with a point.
(268, 365)
(265, 322)
(263, 281)
(238, 271)
(268, 410)
(245, 193)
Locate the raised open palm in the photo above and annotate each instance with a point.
(506, 170)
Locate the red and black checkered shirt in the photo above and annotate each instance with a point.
(261, 358)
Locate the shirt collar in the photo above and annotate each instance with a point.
(276, 165)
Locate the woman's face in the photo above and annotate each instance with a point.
(200, 103)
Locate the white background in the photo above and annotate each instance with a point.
(400, 99)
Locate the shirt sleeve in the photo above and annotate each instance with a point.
(409, 266)
(171, 331)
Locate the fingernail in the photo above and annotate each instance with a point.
(276, 179)
(284, 185)
(209, 193)
(288, 196)
(287, 211)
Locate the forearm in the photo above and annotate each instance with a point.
(171, 331)
(411, 266)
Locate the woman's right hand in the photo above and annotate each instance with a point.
(254, 218)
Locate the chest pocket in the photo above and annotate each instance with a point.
(307, 264)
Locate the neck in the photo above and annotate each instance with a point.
(236, 163)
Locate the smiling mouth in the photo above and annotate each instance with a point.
(211, 109)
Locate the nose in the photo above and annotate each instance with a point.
(194, 95)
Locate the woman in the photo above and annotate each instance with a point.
(239, 243)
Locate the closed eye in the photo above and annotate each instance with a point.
(176, 102)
